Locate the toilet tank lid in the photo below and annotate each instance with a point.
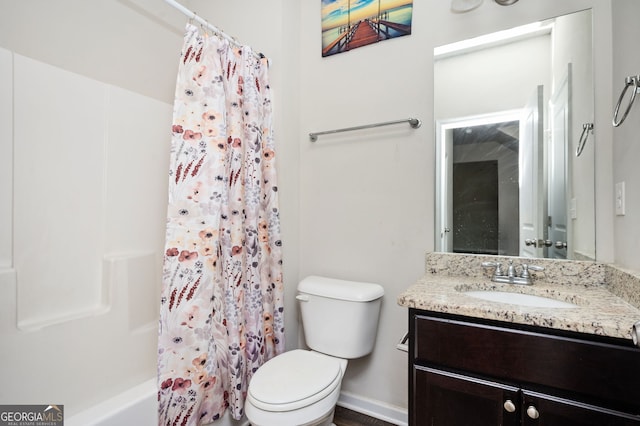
(340, 289)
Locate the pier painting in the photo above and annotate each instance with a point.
(349, 24)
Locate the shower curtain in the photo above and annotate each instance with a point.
(221, 310)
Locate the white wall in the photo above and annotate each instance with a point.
(626, 141)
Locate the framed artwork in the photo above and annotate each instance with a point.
(349, 24)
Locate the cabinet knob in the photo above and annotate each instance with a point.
(532, 412)
(509, 406)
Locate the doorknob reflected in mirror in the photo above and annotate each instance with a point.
(538, 243)
(545, 243)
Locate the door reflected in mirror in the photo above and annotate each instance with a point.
(509, 109)
(482, 204)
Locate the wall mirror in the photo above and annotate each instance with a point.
(511, 110)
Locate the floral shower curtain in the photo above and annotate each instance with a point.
(221, 311)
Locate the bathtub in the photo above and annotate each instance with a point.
(137, 406)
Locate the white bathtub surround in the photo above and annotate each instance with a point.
(6, 159)
(81, 230)
(115, 348)
(135, 406)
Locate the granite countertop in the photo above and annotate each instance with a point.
(603, 306)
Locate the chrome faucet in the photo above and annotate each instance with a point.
(512, 276)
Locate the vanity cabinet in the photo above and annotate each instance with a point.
(470, 372)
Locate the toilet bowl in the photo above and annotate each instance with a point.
(301, 387)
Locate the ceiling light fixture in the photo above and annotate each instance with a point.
(462, 6)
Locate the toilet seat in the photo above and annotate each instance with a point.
(294, 380)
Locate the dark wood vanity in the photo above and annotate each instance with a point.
(466, 371)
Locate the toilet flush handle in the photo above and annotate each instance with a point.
(302, 297)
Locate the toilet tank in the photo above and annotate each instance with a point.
(339, 317)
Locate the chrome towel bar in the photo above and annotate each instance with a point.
(413, 122)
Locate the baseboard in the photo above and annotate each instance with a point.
(373, 408)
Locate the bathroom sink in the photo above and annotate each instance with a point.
(519, 299)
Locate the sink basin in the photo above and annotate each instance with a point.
(519, 299)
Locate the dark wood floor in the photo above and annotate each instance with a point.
(344, 417)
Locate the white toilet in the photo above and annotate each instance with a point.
(301, 387)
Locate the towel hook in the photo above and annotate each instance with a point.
(634, 81)
(586, 128)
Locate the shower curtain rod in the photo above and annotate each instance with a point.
(192, 15)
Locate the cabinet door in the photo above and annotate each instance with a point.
(545, 410)
(569, 364)
(442, 398)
